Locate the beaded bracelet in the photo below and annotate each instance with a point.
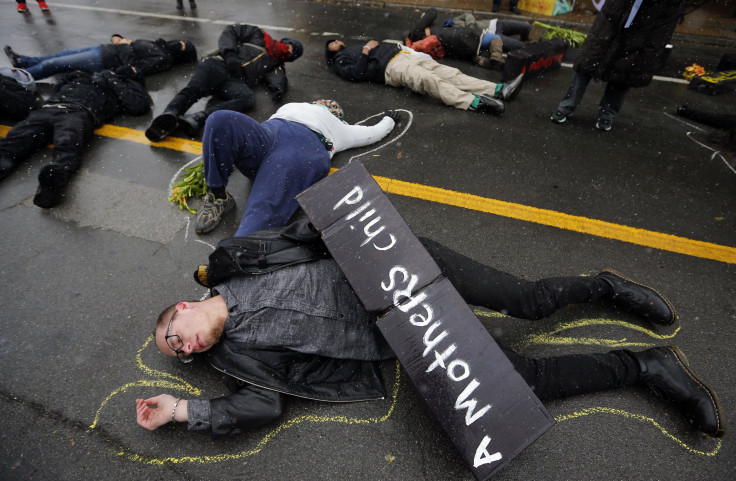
(173, 411)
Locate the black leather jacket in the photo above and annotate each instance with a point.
(257, 380)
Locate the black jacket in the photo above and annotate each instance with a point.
(351, 64)
(103, 94)
(257, 380)
(459, 42)
(15, 100)
(628, 56)
(147, 56)
(246, 45)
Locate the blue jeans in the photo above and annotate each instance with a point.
(88, 59)
(282, 159)
(610, 105)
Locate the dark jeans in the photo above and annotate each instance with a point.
(282, 159)
(551, 377)
(88, 59)
(69, 129)
(211, 77)
(610, 105)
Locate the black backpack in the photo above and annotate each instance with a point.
(262, 252)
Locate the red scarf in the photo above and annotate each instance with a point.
(276, 48)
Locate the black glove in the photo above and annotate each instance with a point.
(233, 66)
(393, 114)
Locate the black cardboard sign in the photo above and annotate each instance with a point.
(534, 59)
(489, 412)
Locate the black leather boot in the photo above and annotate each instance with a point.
(191, 123)
(640, 300)
(162, 126)
(52, 183)
(511, 88)
(666, 372)
(7, 167)
(488, 105)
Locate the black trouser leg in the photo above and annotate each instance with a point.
(72, 132)
(207, 76)
(236, 96)
(721, 121)
(564, 376)
(482, 285)
(28, 136)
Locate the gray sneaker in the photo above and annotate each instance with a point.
(211, 212)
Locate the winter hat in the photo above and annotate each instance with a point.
(297, 50)
(332, 106)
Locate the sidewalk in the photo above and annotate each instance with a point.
(713, 23)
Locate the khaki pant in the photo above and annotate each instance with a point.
(427, 77)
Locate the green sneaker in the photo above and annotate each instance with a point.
(211, 212)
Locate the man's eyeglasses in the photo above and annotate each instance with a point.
(175, 342)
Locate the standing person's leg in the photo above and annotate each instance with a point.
(296, 161)
(25, 139)
(72, 133)
(610, 105)
(482, 285)
(86, 59)
(572, 98)
(230, 140)
(664, 370)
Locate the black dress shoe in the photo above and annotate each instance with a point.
(162, 126)
(666, 371)
(52, 183)
(640, 300)
(12, 56)
(488, 105)
(511, 89)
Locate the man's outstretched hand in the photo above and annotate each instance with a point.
(393, 114)
(154, 412)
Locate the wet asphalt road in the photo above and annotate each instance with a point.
(83, 282)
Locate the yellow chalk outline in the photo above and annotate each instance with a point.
(550, 338)
(181, 385)
(620, 412)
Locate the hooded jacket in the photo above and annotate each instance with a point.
(350, 63)
(103, 94)
(147, 56)
(253, 49)
(628, 56)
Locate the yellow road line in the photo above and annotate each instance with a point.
(584, 225)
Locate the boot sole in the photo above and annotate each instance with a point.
(666, 322)
(161, 127)
(682, 360)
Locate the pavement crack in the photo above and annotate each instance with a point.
(115, 444)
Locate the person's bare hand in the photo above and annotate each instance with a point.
(154, 412)
(372, 44)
